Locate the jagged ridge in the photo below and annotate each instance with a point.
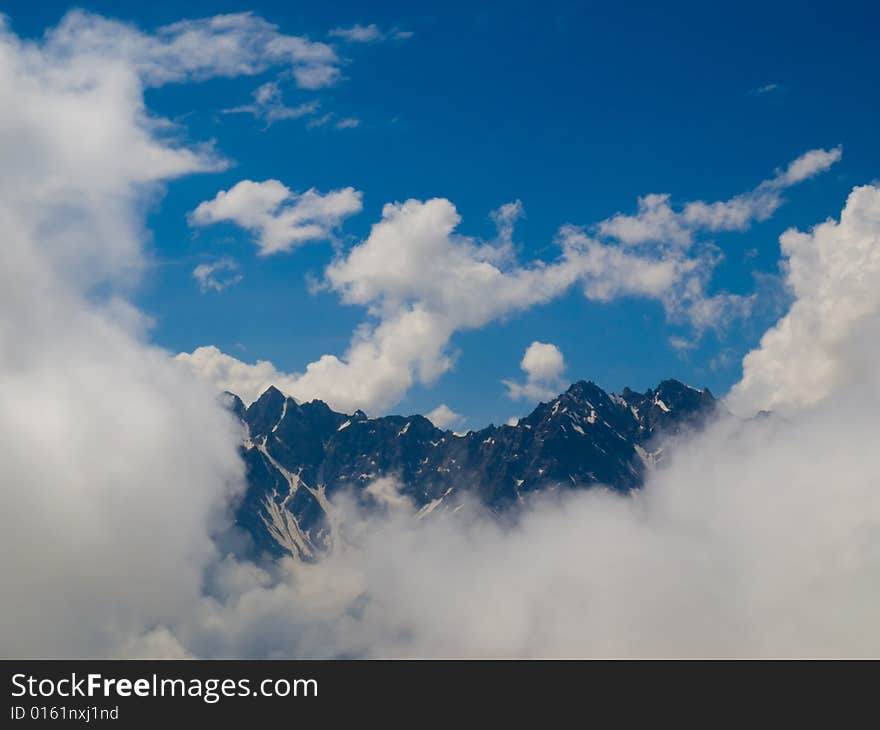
(298, 455)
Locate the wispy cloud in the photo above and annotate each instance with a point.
(218, 275)
(371, 33)
(657, 221)
(238, 44)
(766, 89)
(330, 119)
(348, 123)
(268, 105)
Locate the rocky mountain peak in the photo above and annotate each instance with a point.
(300, 454)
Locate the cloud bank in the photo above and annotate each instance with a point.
(741, 546)
(118, 468)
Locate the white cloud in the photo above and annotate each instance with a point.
(52, 94)
(444, 417)
(808, 165)
(654, 221)
(385, 491)
(280, 219)
(321, 121)
(657, 222)
(268, 105)
(766, 89)
(358, 33)
(117, 467)
(543, 361)
(312, 65)
(505, 219)
(331, 119)
(230, 374)
(371, 33)
(217, 275)
(821, 343)
(421, 282)
(609, 271)
(543, 365)
(348, 123)
(681, 344)
(239, 44)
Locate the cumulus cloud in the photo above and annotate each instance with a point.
(421, 282)
(279, 218)
(543, 361)
(833, 271)
(217, 275)
(543, 365)
(444, 417)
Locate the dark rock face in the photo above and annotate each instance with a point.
(298, 456)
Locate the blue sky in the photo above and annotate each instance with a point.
(575, 109)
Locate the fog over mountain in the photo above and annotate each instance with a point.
(142, 513)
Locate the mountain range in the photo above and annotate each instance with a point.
(299, 456)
